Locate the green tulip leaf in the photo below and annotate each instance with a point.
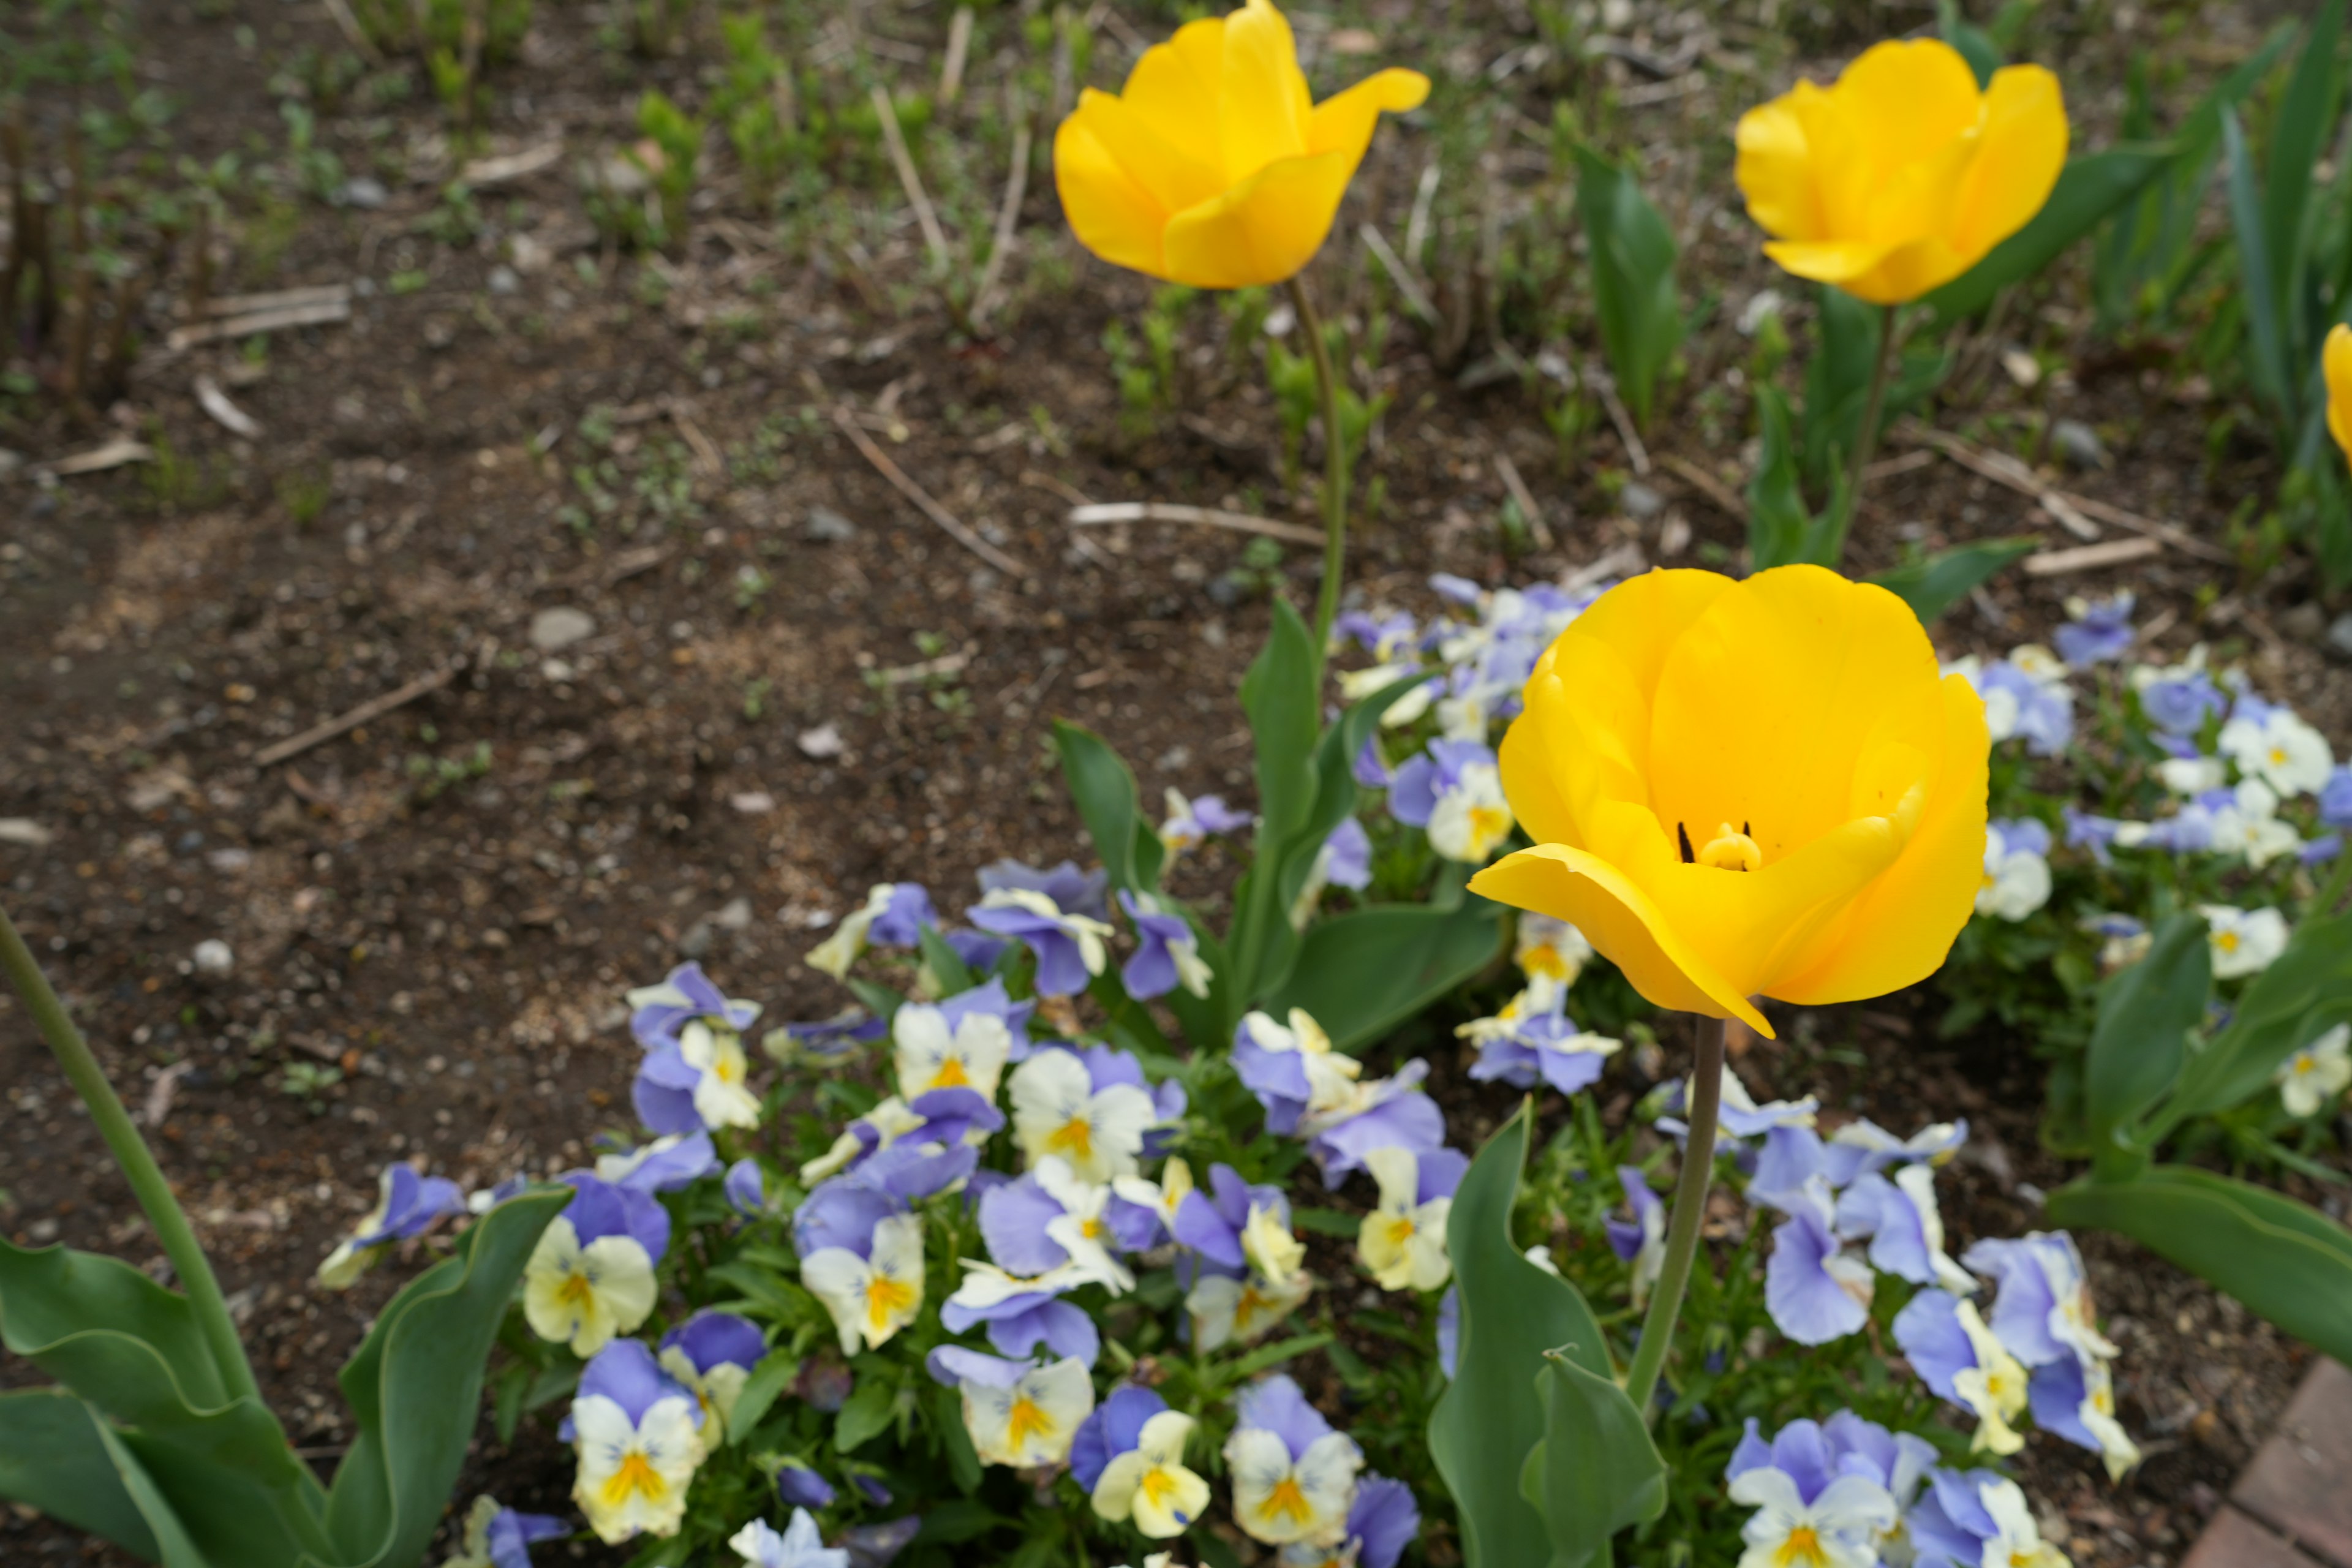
(416, 1386)
(1360, 973)
(1595, 1471)
(2089, 189)
(1633, 289)
(52, 1459)
(2307, 991)
(1103, 787)
(1934, 585)
(2285, 1260)
(2145, 1015)
(1514, 1314)
(1278, 693)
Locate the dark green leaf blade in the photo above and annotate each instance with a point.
(2089, 188)
(2306, 990)
(1934, 585)
(1361, 972)
(2145, 1013)
(51, 1459)
(1596, 1471)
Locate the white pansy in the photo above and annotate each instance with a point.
(634, 1476)
(1994, 1389)
(2249, 826)
(2016, 881)
(1149, 1484)
(1355, 685)
(1031, 1423)
(1278, 1500)
(2281, 750)
(1839, 1529)
(871, 1299)
(584, 1295)
(2192, 776)
(890, 1121)
(798, 1545)
(1540, 997)
(720, 1096)
(1330, 1076)
(1402, 1241)
(2317, 1073)
(1470, 821)
(716, 1391)
(2243, 942)
(1550, 949)
(2097, 1413)
(836, 953)
(1917, 1184)
(1239, 1312)
(927, 1053)
(2017, 1540)
(1162, 1197)
(1081, 1230)
(2039, 665)
(1059, 1113)
(1270, 1246)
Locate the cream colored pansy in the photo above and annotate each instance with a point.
(1470, 821)
(836, 953)
(1149, 1483)
(1059, 1113)
(1082, 1229)
(2243, 942)
(929, 1053)
(871, 1298)
(582, 1295)
(1355, 685)
(1239, 1312)
(1273, 1251)
(633, 1477)
(1162, 1197)
(1550, 949)
(2249, 826)
(1402, 1241)
(889, 1120)
(2097, 1414)
(720, 1096)
(1279, 1499)
(1030, 1421)
(1994, 1389)
(1330, 1076)
(2017, 1540)
(2281, 750)
(2316, 1074)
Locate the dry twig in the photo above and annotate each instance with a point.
(1538, 529)
(2090, 557)
(295, 745)
(1707, 485)
(846, 418)
(1207, 517)
(935, 239)
(1008, 219)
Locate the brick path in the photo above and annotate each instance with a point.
(2292, 1508)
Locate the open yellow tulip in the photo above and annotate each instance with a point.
(2336, 365)
(1749, 788)
(1213, 167)
(1903, 174)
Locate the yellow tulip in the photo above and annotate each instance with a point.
(2335, 364)
(1749, 788)
(1211, 166)
(1902, 175)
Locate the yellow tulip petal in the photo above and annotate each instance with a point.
(1177, 176)
(1775, 167)
(1906, 99)
(1343, 123)
(2019, 154)
(1767, 704)
(1263, 230)
(1262, 105)
(1622, 924)
(1908, 271)
(1171, 96)
(2335, 364)
(1109, 210)
(1898, 931)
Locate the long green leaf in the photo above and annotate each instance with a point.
(1362, 973)
(1633, 254)
(2299, 137)
(1595, 1471)
(1278, 693)
(1781, 529)
(1513, 1314)
(1975, 44)
(174, 1547)
(1934, 585)
(2306, 990)
(2285, 1260)
(1335, 782)
(51, 1459)
(1103, 787)
(416, 1386)
(2265, 340)
(2089, 188)
(2146, 1015)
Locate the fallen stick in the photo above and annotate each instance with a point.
(847, 420)
(959, 46)
(2179, 539)
(1207, 517)
(294, 746)
(314, 315)
(1538, 530)
(1710, 486)
(1008, 220)
(2090, 557)
(228, 414)
(1625, 560)
(113, 455)
(353, 34)
(935, 239)
(510, 166)
(1410, 292)
(2004, 470)
(275, 299)
(1635, 453)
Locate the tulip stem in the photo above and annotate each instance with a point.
(1865, 434)
(1683, 1226)
(148, 1183)
(1335, 465)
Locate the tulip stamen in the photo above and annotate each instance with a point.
(1682, 836)
(1729, 850)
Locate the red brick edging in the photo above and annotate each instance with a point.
(2292, 1506)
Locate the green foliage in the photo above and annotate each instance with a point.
(1782, 528)
(141, 1443)
(679, 138)
(1594, 1471)
(1632, 256)
(1934, 583)
(1514, 1314)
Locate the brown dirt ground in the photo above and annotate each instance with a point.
(458, 959)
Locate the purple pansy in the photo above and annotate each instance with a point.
(1449, 1330)
(2179, 705)
(1422, 780)
(2096, 630)
(1381, 1522)
(879, 1545)
(407, 1204)
(842, 1212)
(659, 1012)
(747, 1188)
(1074, 891)
(2335, 798)
(1369, 768)
(625, 1372)
(1113, 1427)
(1546, 1045)
(1068, 945)
(801, 1487)
(662, 1165)
(1346, 857)
(1276, 1405)
(1814, 1292)
(2083, 830)
(600, 1209)
(709, 1340)
(1167, 953)
(906, 911)
(1389, 1112)
(510, 1536)
(1211, 1219)
(2041, 713)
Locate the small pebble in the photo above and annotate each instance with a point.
(213, 957)
(2078, 443)
(2339, 635)
(1640, 500)
(363, 192)
(560, 627)
(504, 280)
(826, 526)
(820, 745)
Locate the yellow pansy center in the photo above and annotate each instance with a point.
(885, 1297)
(1401, 1229)
(2227, 941)
(1093, 1228)
(1026, 1421)
(635, 1476)
(1075, 1138)
(1804, 1545)
(1489, 823)
(1287, 1501)
(1157, 1485)
(2306, 1063)
(1544, 959)
(951, 1074)
(2278, 756)
(576, 1290)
